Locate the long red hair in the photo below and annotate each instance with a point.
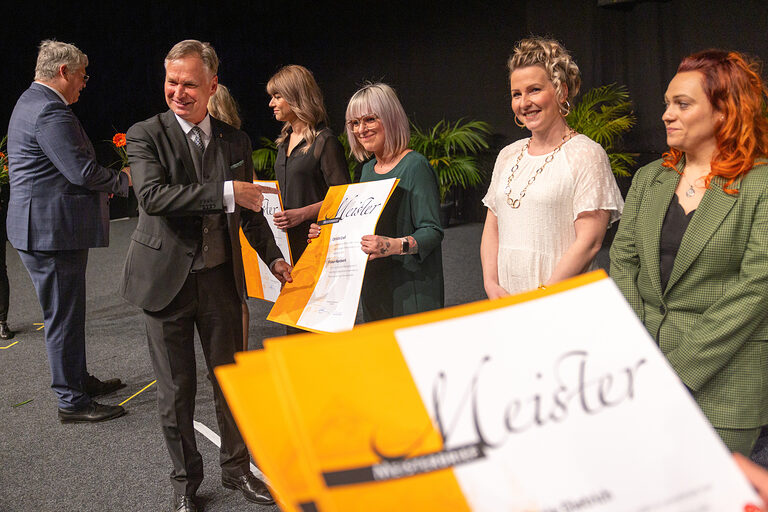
(733, 85)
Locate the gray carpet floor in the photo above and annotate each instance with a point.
(122, 465)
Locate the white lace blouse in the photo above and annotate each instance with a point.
(533, 237)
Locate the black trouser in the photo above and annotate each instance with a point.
(209, 301)
(5, 289)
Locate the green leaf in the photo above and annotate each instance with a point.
(604, 114)
(264, 159)
(449, 148)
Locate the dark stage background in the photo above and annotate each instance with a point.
(446, 59)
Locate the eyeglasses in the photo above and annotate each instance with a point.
(85, 76)
(363, 123)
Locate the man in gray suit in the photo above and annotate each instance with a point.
(57, 210)
(193, 180)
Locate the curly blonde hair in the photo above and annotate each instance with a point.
(554, 58)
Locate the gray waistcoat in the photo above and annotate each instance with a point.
(215, 247)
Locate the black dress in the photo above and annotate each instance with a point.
(305, 176)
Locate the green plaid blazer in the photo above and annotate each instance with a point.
(711, 321)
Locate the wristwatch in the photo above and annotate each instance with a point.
(406, 245)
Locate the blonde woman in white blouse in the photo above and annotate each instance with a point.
(552, 195)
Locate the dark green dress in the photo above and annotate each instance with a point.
(411, 283)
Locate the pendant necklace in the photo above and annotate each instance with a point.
(691, 191)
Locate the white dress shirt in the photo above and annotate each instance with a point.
(205, 127)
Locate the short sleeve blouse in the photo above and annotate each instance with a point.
(533, 237)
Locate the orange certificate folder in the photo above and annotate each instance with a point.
(259, 281)
(413, 414)
(325, 291)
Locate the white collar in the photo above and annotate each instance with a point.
(204, 125)
(54, 90)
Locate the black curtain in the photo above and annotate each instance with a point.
(446, 59)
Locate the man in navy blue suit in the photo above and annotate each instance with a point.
(57, 210)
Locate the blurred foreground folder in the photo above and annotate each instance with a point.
(551, 401)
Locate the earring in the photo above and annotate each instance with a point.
(521, 125)
(565, 108)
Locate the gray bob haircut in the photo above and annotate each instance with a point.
(53, 54)
(194, 47)
(379, 99)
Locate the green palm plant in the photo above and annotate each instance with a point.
(450, 149)
(351, 162)
(604, 114)
(264, 159)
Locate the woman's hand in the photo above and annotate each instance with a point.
(314, 232)
(494, 290)
(756, 475)
(376, 246)
(289, 218)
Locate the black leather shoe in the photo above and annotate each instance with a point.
(183, 503)
(252, 488)
(95, 387)
(92, 413)
(5, 332)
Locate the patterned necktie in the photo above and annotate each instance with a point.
(196, 134)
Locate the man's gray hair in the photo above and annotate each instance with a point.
(53, 54)
(194, 47)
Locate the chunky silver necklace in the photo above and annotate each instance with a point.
(515, 203)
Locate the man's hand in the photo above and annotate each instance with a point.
(282, 271)
(127, 170)
(289, 218)
(249, 195)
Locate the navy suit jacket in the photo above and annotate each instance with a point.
(58, 190)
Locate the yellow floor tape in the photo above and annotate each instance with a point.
(138, 392)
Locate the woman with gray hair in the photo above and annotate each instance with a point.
(552, 195)
(405, 268)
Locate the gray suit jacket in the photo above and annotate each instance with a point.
(172, 202)
(58, 190)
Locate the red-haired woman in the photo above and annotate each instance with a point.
(691, 249)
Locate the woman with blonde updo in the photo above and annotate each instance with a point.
(552, 195)
(223, 106)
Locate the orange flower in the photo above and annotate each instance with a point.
(119, 140)
(2, 155)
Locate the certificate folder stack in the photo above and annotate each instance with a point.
(553, 400)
